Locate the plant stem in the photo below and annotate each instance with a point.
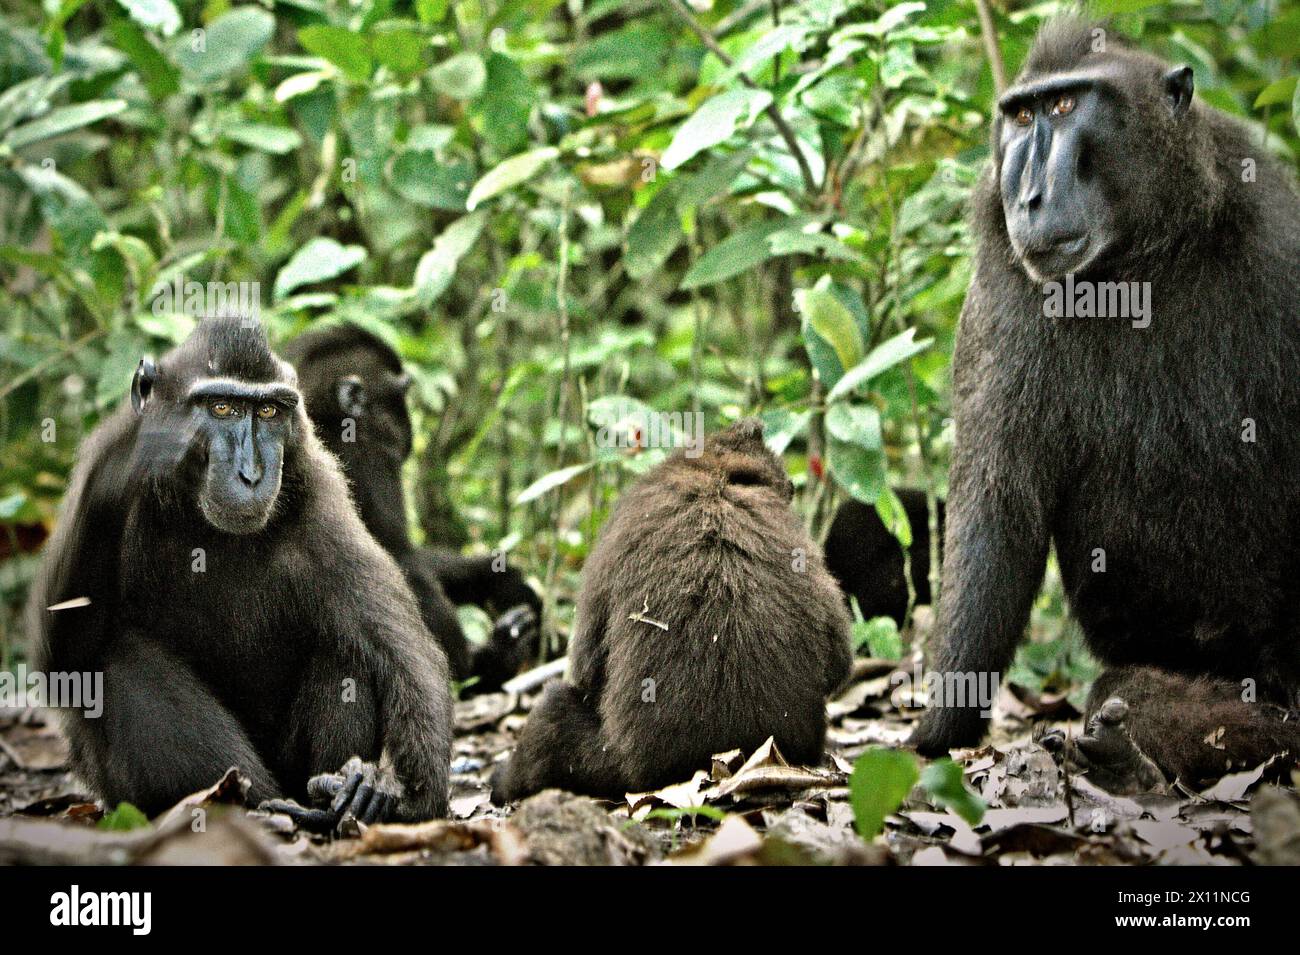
(774, 114)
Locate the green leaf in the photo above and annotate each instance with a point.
(889, 20)
(654, 235)
(431, 11)
(814, 244)
(419, 177)
(63, 120)
(768, 44)
(883, 357)
(437, 267)
(894, 516)
(400, 49)
(159, 76)
(30, 97)
(715, 122)
(269, 139)
(503, 108)
(139, 258)
(880, 636)
(160, 15)
(880, 781)
(781, 426)
(739, 252)
(1280, 91)
(174, 327)
(318, 260)
(633, 52)
(228, 45)
(827, 316)
(461, 77)
(549, 482)
(123, 819)
(345, 49)
(855, 452)
(713, 180)
(942, 779)
(1105, 8)
(508, 174)
(125, 347)
(301, 83)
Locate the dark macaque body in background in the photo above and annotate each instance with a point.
(219, 577)
(706, 622)
(355, 391)
(1159, 452)
(867, 560)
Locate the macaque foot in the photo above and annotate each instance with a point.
(360, 791)
(1107, 753)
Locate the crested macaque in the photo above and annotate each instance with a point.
(355, 388)
(706, 622)
(1156, 445)
(867, 559)
(209, 563)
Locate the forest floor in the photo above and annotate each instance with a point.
(748, 808)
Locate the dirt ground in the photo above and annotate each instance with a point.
(747, 808)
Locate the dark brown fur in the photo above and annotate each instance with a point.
(708, 547)
(1196, 729)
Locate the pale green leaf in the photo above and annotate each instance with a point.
(264, 136)
(460, 77)
(437, 267)
(160, 15)
(549, 482)
(715, 122)
(883, 357)
(317, 261)
(508, 174)
(834, 323)
(63, 120)
(226, 46)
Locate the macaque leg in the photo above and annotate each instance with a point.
(162, 734)
(334, 718)
(562, 747)
(1196, 728)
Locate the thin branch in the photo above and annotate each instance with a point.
(49, 361)
(679, 10)
(991, 46)
(566, 385)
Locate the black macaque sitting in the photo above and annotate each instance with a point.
(1155, 447)
(355, 391)
(867, 559)
(210, 564)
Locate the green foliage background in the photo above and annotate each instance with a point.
(553, 210)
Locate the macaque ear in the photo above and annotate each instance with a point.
(142, 384)
(1179, 84)
(403, 382)
(351, 396)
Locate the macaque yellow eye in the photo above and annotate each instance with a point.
(1024, 116)
(222, 409)
(266, 412)
(1063, 106)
